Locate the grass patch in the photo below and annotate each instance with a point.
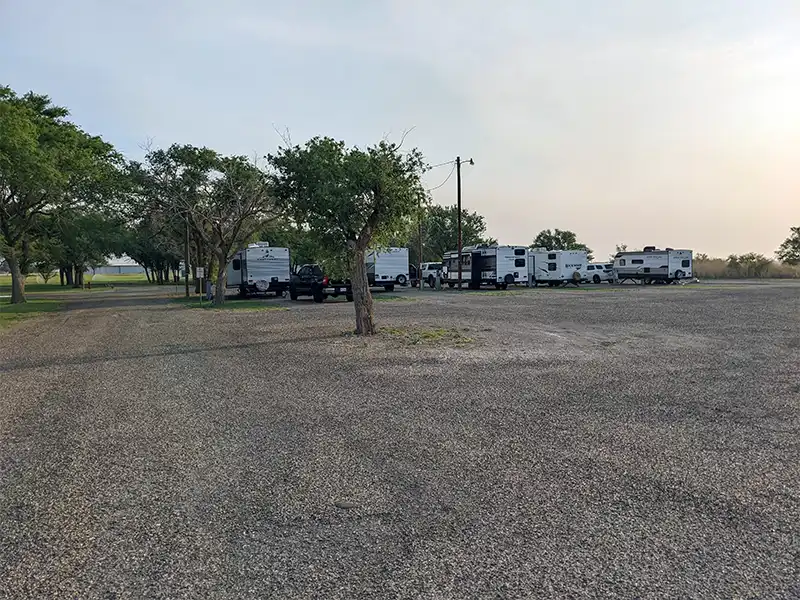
(13, 313)
(238, 305)
(514, 292)
(426, 336)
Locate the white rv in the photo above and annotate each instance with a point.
(652, 265)
(387, 267)
(259, 269)
(556, 267)
(499, 266)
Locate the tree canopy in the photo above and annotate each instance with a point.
(789, 250)
(560, 240)
(345, 198)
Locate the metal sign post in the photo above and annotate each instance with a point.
(201, 272)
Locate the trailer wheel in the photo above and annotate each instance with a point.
(401, 280)
(504, 286)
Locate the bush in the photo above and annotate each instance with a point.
(745, 266)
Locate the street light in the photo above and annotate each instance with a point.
(458, 180)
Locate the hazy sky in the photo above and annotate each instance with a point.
(666, 122)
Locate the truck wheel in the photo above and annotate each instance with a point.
(389, 288)
(349, 297)
(596, 279)
(431, 281)
(401, 280)
(318, 297)
(293, 293)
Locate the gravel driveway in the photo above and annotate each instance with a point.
(633, 443)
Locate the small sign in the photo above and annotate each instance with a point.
(201, 272)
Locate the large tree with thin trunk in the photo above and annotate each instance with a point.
(560, 240)
(789, 250)
(223, 200)
(47, 164)
(347, 198)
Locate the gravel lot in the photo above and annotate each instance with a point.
(634, 443)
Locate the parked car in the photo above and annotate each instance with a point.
(310, 280)
(599, 272)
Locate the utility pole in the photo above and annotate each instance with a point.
(419, 258)
(186, 254)
(458, 183)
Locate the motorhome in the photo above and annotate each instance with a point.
(652, 265)
(259, 269)
(556, 267)
(499, 266)
(387, 267)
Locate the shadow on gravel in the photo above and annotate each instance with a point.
(87, 360)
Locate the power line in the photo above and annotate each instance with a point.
(449, 162)
(446, 179)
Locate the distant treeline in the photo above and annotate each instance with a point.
(743, 266)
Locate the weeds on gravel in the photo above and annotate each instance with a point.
(13, 313)
(431, 336)
(381, 298)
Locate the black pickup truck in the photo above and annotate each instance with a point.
(310, 280)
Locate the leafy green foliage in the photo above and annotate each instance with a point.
(47, 164)
(440, 232)
(560, 240)
(347, 198)
(789, 250)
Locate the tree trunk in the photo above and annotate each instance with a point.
(362, 298)
(17, 279)
(147, 274)
(61, 275)
(68, 275)
(222, 278)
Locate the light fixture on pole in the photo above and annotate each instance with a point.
(458, 209)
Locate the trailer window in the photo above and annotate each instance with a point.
(685, 263)
(520, 262)
(637, 261)
(237, 264)
(519, 251)
(621, 262)
(552, 267)
(551, 257)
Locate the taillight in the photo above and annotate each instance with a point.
(325, 280)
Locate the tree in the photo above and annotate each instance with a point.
(440, 231)
(346, 198)
(789, 250)
(560, 240)
(47, 164)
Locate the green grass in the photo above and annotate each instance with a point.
(13, 313)
(427, 336)
(238, 305)
(34, 283)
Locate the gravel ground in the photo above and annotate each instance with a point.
(633, 443)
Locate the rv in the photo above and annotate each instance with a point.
(487, 265)
(652, 265)
(259, 269)
(556, 267)
(387, 267)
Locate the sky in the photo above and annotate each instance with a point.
(644, 122)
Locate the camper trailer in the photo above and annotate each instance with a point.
(556, 267)
(652, 265)
(387, 267)
(487, 265)
(259, 269)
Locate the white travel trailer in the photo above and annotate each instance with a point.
(499, 266)
(556, 267)
(387, 267)
(259, 269)
(652, 265)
